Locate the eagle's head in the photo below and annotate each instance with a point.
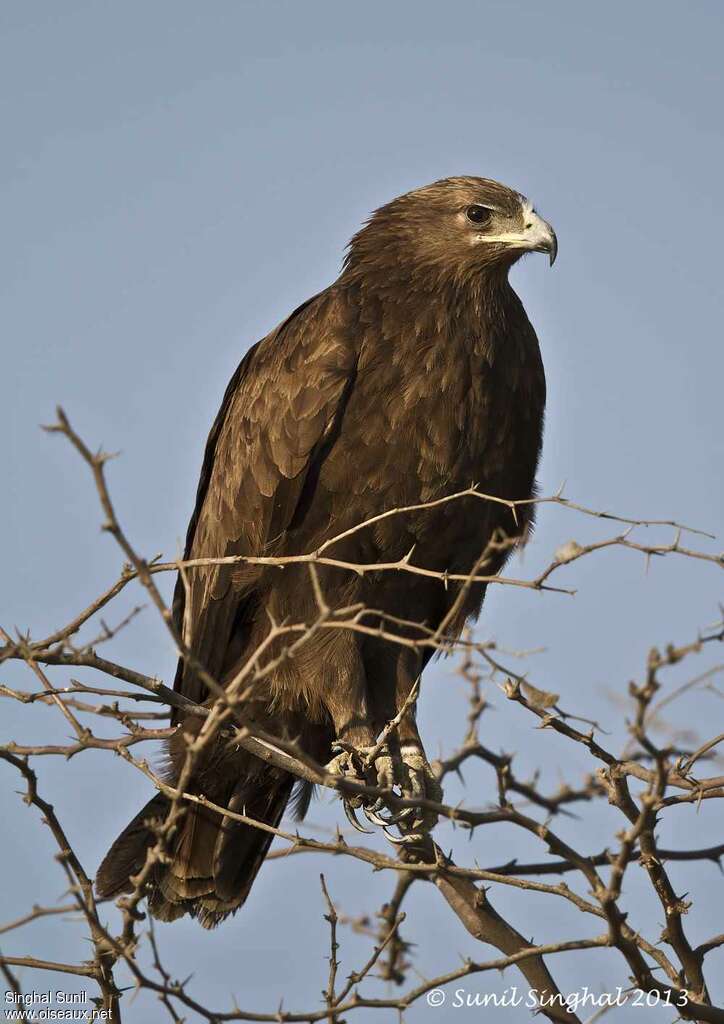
(454, 227)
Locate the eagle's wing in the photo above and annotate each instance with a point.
(276, 422)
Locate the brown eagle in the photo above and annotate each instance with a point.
(414, 376)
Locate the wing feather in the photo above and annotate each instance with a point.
(278, 414)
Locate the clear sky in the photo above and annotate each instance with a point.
(175, 178)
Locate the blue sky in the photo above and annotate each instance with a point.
(176, 177)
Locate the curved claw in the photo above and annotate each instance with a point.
(406, 812)
(352, 819)
(372, 815)
(389, 819)
(403, 840)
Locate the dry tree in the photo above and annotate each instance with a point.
(658, 768)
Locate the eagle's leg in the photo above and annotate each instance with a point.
(397, 766)
(355, 732)
(411, 774)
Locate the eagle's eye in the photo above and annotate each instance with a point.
(478, 214)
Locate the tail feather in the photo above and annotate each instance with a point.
(213, 859)
(241, 849)
(127, 855)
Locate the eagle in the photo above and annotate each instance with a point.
(413, 377)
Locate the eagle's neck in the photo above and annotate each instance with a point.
(412, 309)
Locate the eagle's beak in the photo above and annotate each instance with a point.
(539, 236)
(536, 236)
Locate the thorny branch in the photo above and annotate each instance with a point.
(641, 782)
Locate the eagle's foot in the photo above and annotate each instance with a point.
(405, 774)
(349, 763)
(374, 767)
(418, 783)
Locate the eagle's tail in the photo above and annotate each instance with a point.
(212, 860)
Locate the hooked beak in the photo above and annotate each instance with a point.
(536, 236)
(539, 236)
